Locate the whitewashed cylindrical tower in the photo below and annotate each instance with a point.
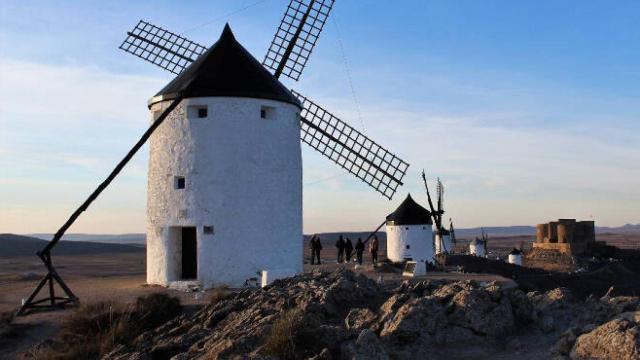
(225, 174)
(409, 234)
(515, 257)
(443, 243)
(476, 247)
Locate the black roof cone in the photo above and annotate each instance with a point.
(410, 213)
(226, 69)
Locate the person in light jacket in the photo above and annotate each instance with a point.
(373, 249)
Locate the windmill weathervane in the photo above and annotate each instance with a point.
(288, 54)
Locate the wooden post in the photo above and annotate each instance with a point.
(45, 254)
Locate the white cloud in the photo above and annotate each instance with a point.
(41, 93)
(495, 174)
(64, 128)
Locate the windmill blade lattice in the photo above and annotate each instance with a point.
(349, 148)
(341, 143)
(163, 48)
(296, 36)
(440, 191)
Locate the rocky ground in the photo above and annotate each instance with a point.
(343, 315)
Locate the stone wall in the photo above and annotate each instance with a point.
(566, 235)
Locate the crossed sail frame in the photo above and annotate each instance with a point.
(288, 54)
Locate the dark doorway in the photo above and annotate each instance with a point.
(189, 253)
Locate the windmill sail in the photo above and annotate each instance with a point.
(440, 191)
(163, 48)
(341, 143)
(296, 36)
(350, 149)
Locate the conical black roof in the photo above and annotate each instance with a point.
(515, 252)
(410, 213)
(226, 69)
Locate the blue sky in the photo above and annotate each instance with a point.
(526, 110)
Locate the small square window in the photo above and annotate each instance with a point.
(179, 182)
(408, 247)
(197, 112)
(267, 112)
(208, 230)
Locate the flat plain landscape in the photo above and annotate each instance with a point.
(98, 272)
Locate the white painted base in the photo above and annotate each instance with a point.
(515, 259)
(442, 245)
(409, 242)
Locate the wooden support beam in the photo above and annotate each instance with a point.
(52, 276)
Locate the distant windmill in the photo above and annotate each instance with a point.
(202, 73)
(442, 242)
(478, 247)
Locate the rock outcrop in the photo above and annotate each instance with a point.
(617, 339)
(342, 315)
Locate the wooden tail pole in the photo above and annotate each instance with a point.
(374, 232)
(52, 276)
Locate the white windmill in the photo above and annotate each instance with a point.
(225, 169)
(198, 195)
(478, 247)
(409, 233)
(515, 257)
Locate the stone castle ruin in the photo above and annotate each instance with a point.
(567, 236)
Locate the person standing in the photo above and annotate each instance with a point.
(312, 247)
(348, 250)
(373, 249)
(340, 245)
(359, 250)
(317, 248)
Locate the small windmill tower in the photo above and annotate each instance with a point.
(409, 233)
(515, 257)
(478, 247)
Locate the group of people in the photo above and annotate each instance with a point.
(345, 249)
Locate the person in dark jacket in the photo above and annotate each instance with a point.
(340, 245)
(359, 250)
(318, 248)
(348, 250)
